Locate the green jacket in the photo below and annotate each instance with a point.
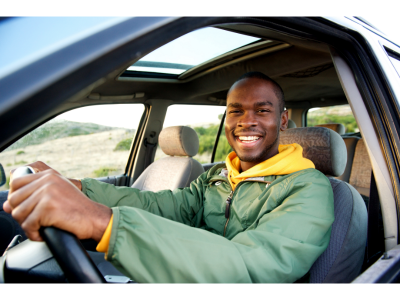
(278, 226)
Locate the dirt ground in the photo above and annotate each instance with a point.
(74, 157)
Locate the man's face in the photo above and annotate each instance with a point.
(253, 121)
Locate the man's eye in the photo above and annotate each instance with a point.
(263, 110)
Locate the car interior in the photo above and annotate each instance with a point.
(312, 75)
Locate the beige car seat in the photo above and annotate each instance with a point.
(361, 170)
(291, 124)
(177, 170)
(339, 128)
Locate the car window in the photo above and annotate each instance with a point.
(204, 119)
(395, 60)
(91, 141)
(190, 50)
(333, 114)
(223, 147)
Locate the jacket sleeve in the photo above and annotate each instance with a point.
(181, 205)
(148, 248)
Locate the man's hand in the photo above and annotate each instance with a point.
(49, 199)
(40, 166)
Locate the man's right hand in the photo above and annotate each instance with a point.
(40, 166)
(49, 199)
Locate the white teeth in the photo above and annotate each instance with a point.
(248, 138)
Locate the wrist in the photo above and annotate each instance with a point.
(77, 183)
(101, 219)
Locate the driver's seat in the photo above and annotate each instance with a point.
(342, 260)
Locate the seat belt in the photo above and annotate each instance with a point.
(149, 149)
(375, 237)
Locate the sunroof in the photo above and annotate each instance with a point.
(191, 50)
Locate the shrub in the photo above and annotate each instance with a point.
(20, 152)
(103, 171)
(123, 145)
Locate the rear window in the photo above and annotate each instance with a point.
(333, 114)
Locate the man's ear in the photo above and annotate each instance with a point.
(284, 120)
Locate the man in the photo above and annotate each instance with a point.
(264, 217)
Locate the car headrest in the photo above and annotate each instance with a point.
(291, 124)
(323, 146)
(179, 141)
(337, 127)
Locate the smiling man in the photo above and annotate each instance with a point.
(265, 216)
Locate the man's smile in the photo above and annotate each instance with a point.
(248, 141)
(248, 138)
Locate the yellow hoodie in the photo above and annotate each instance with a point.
(289, 159)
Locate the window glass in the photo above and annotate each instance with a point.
(91, 141)
(190, 50)
(333, 114)
(223, 147)
(395, 62)
(204, 119)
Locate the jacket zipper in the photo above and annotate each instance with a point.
(227, 209)
(229, 199)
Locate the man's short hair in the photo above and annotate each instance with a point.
(277, 88)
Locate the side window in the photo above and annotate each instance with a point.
(92, 141)
(204, 119)
(333, 114)
(223, 147)
(395, 60)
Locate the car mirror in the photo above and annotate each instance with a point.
(2, 176)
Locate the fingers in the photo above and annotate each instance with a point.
(17, 183)
(24, 201)
(7, 207)
(22, 188)
(33, 203)
(31, 225)
(38, 166)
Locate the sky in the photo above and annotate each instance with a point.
(128, 115)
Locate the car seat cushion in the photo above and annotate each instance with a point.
(324, 147)
(179, 141)
(291, 124)
(360, 176)
(169, 173)
(342, 260)
(350, 143)
(337, 127)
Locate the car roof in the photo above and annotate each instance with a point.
(304, 69)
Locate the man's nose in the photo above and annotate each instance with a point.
(247, 120)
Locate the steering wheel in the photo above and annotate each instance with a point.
(68, 251)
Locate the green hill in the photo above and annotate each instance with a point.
(57, 129)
